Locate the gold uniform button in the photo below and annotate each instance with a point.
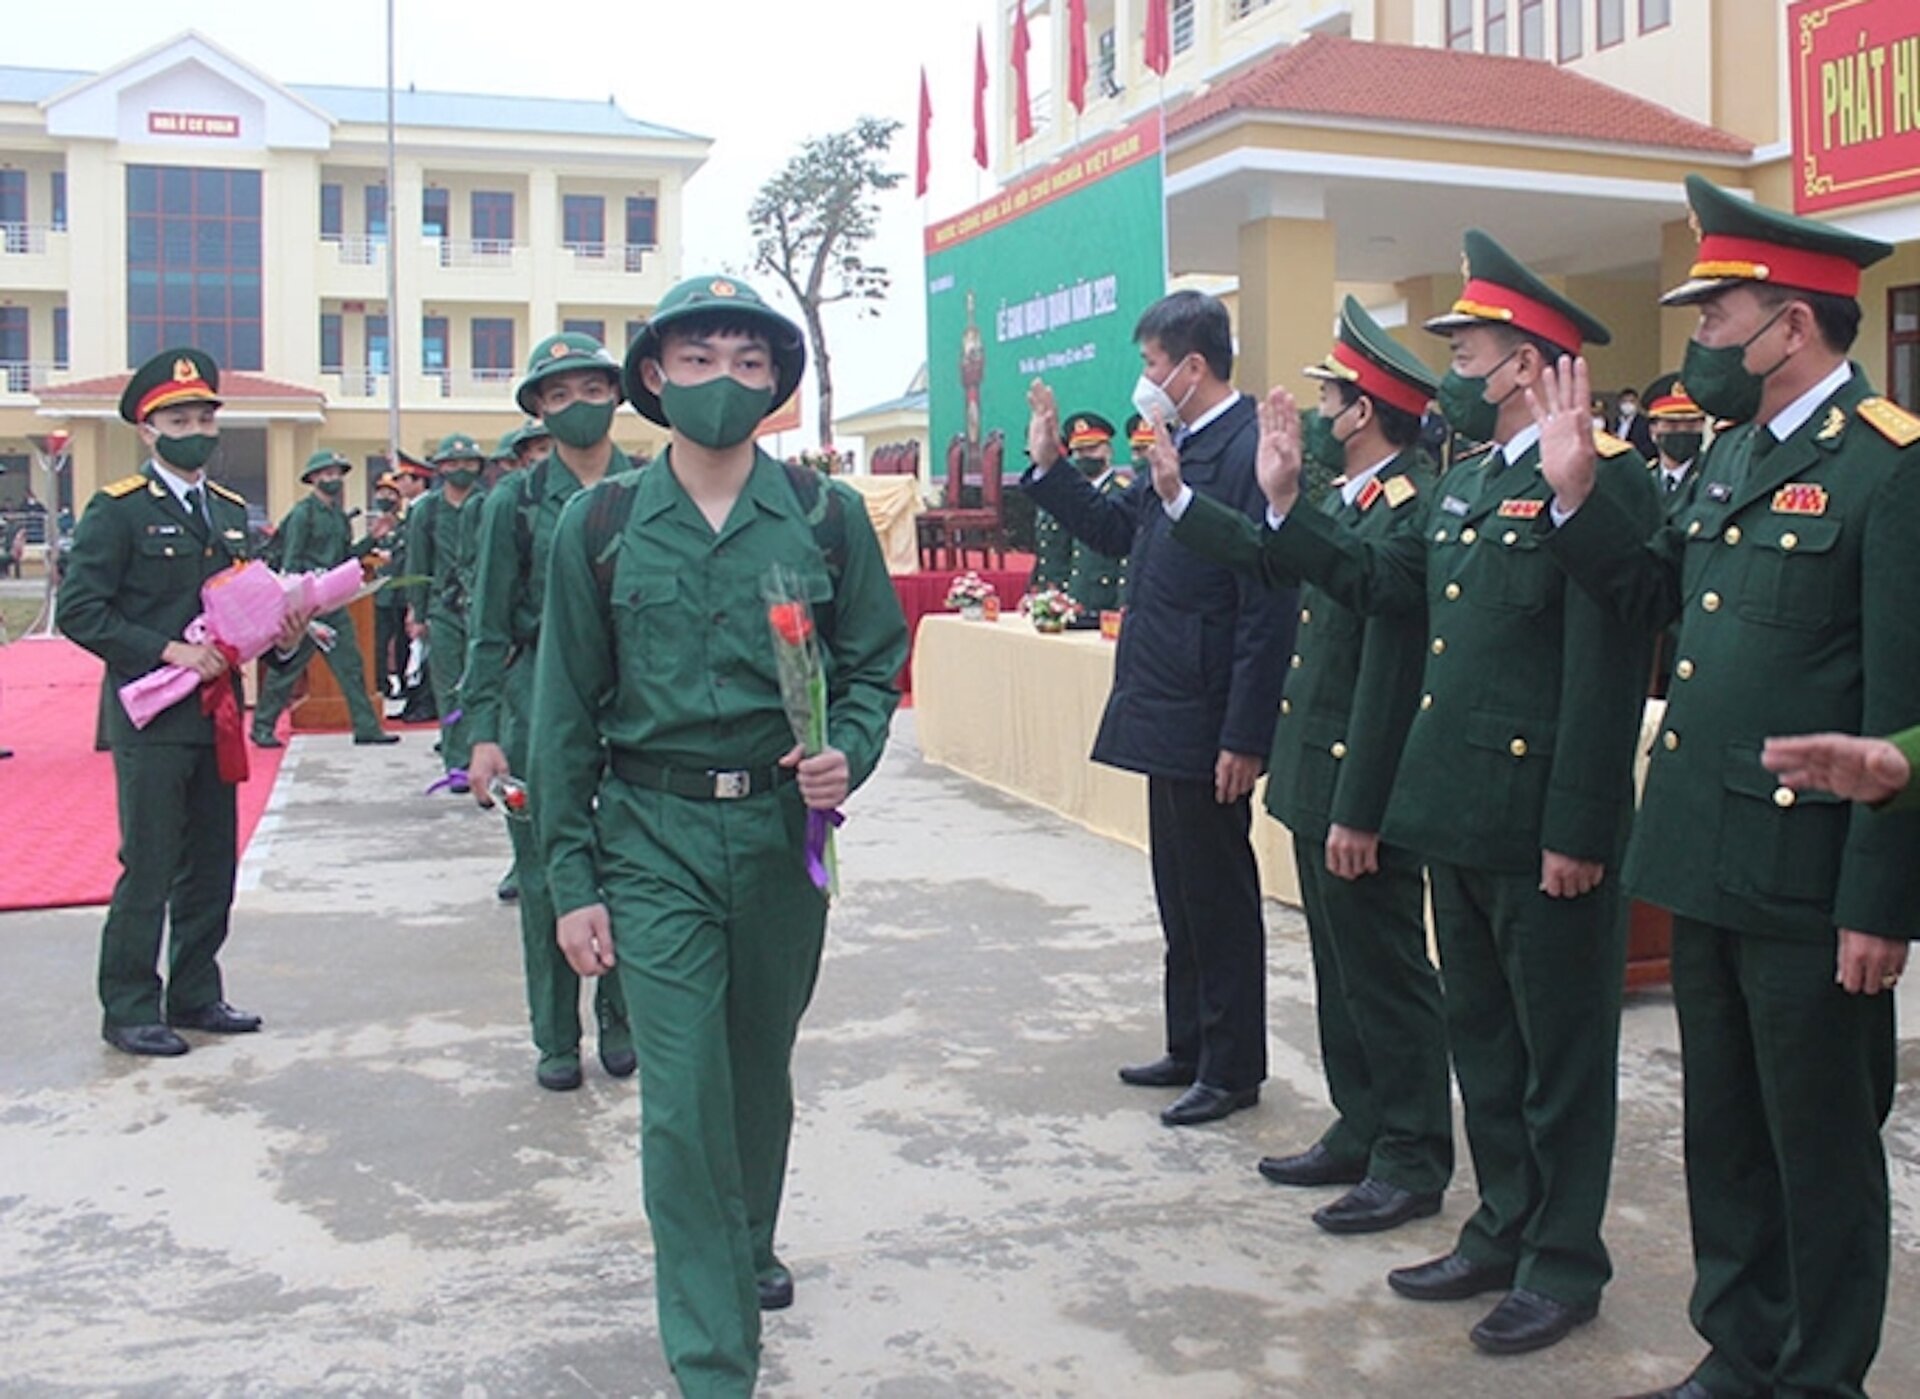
(1339, 750)
(1439, 644)
(1468, 535)
(1518, 748)
(1670, 740)
(1510, 537)
(1439, 536)
(1426, 701)
(1452, 591)
(1789, 540)
(1295, 662)
(1732, 535)
(1783, 797)
(1710, 601)
(1306, 614)
(1684, 670)
(1693, 529)
(1286, 706)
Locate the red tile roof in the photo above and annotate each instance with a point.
(233, 385)
(1327, 76)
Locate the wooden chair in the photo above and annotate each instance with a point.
(932, 524)
(976, 522)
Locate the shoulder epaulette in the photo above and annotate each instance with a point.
(1607, 445)
(1891, 421)
(226, 494)
(1399, 490)
(126, 485)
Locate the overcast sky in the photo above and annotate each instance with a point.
(755, 75)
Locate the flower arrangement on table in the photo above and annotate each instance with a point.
(825, 460)
(1050, 609)
(969, 593)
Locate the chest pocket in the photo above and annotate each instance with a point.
(1789, 581)
(160, 548)
(1515, 572)
(647, 628)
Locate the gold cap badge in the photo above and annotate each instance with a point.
(183, 371)
(723, 288)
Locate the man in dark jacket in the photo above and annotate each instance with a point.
(1196, 689)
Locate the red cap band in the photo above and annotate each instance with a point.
(1753, 260)
(194, 390)
(1380, 383)
(1492, 302)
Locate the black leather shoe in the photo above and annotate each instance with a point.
(1314, 1166)
(1164, 1072)
(367, 740)
(559, 1075)
(775, 1287)
(1450, 1278)
(508, 889)
(261, 740)
(1373, 1206)
(156, 1040)
(1688, 1388)
(217, 1019)
(1205, 1103)
(619, 1063)
(1528, 1321)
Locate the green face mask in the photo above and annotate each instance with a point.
(189, 453)
(1680, 446)
(1089, 467)
(580, 423)
(1321, 445)
(1719, 380)
(460, 479)
(718, 414)
(1463, 403)
(332, 488)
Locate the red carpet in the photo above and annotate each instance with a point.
(921, 593)
(63, 833)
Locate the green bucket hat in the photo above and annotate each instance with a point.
(726, 297)
(457, 446)
(505, 451)
(559, 354)
(321, 460)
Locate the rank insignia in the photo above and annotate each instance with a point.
(723, 288)
(1719, 490)
(1800, 498)
(1369, 493)
(1399, 491)
(1453, 505)
(1521, 509)
(163, 529)
(1891, 421)
(1835, 424)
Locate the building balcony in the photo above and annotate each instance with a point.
(610, 274)
(19, 378)
(352, 387)
(353, 268)
(33, 257)
(473, 269)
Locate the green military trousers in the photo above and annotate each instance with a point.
(1789, 1079)
(343, 660)
(553, 987)
(447, 665)
(1383, 1037)
(1533, 988)
(178, 843)
(718, 932)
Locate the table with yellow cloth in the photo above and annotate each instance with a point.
(892, 504)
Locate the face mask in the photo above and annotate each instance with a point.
(1463, 400)
(1322, 445)
(580, 423)
(1154, 403)
(1719, 380)
(331, 487)
(718, 414)
(1090, 467)
(1628, 408)
(1681, 446)
(188, 453)
(461, 479)
(386, 504)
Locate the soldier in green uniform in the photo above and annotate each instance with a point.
(390, 603)
(532, 443)
(315, 536)
(1516, 786)
(441, 535)
(575, 383)
(1793, 575)
(1348, 705)
(1094, 580)
(671, 798)
(1677, 428)
(140, 554)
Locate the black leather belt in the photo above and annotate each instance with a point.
(712, 784)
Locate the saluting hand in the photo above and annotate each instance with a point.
(1859, 769)
(586, 939)
(1164, 458)
(1278, 460)
(1563, 411)
(1043, 425)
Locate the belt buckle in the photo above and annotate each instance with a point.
(730, 784)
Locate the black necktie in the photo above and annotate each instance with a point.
(197, 507)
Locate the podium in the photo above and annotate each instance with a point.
(319, 705)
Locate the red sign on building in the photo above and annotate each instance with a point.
(1855, 70)
(192, 124)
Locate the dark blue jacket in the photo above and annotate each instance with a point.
(1203, 652)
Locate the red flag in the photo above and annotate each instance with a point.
(1077, 54)
(1022, 107)
(1159, 41)
(979, 97)
(924, 167)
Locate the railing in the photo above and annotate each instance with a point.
(487, 254)
(610, 257)
(359, 250)
(359, 382)
(1240, 9)
(26, 376)
(27, 238)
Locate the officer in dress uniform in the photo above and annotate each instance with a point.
(1793, 575)
(1516, 785)
(441, 534)
(1349, 701)
(316, 535)
(140, 554)
(1677, 428)
(1094, 580)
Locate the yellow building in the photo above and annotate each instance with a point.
(184, 196)
(1322, 147)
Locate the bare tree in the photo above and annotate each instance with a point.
(811, 221)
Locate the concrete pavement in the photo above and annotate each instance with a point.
(372, 1197)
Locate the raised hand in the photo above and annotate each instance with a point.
(1278, 461)
(1164, 458)
(1043, 425)
(1562, 409)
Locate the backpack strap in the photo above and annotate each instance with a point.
(532, 489)
(826, 512)
(609, 506)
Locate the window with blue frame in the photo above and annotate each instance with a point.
(60, 356)
(194, 265)
(492, 346)
(58, 187)
(331, 227)
(492, 216)
(329, 342)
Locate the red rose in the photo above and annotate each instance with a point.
(792, 623)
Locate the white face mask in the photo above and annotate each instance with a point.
(1154, 403)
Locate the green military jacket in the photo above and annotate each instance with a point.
(1355, 680)
(133, 583)
(316, 535)
(673, 658)
(441, 546)
(394, 546)
(1796, 581)
(510, 580)
(1908, 742)
(1532, 693)
(1094, 580)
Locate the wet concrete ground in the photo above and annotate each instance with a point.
(372, 1197)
